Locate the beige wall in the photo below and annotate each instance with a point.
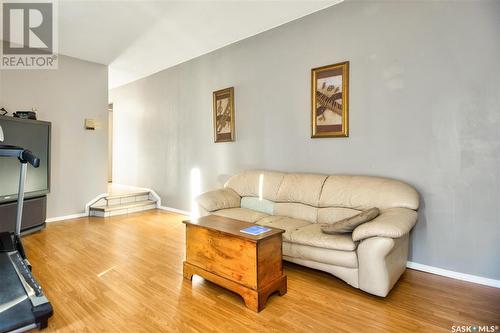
(65, 97)
(424, 108)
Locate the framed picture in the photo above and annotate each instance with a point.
(223, 110)
(330, 101)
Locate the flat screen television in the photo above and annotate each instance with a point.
(35, 136)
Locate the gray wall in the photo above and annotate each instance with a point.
(65, 97)
(424, 108)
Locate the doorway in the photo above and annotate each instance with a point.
(110, 142)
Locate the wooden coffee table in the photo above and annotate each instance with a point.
(248, 265)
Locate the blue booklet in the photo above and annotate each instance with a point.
(255, 230)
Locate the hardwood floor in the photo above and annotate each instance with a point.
(124, 274)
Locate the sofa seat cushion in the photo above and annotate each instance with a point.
(321, 255)
(282, 222)
(313, 236)
(242, 214)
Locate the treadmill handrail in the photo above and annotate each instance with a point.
(29, 157)
(24, 155)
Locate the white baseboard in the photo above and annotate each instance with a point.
(454, 275)
(78, 215)
(175, 210)
(66, 217)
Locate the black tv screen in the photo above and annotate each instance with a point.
(35, 136)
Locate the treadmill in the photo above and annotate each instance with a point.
(23, 306)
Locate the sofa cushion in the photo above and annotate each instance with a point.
(296, 211)
(242, 214)
(260, 205)
(256, 183)
(219, 199)
(349, 224)
(301, 187)
(321, 255)
(283, 222)
(363, 192)
(313, 236)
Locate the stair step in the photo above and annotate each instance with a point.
(134, 204)
(127, 194)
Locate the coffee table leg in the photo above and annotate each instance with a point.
(283, 286)
(187, 272)
(251, 299)
(279, 285)
(256, 300)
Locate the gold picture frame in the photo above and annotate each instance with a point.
(330, 101)
(223, 114)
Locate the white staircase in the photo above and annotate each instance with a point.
(124, 200)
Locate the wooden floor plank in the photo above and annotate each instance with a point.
(124, 273)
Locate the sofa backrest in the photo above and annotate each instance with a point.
(298, 196)
(363, 192)
(321, 198)
(256, 183)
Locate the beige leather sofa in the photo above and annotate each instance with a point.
(372, 258)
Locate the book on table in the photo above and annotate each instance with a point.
(255, 230)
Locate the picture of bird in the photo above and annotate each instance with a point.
(223, 116)
(329, 100)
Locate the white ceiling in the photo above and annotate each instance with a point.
(139, 38)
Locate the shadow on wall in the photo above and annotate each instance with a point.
(421, 226)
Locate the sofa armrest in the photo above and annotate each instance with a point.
(219, 199)
(391, 223)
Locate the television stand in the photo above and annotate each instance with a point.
(34, 215)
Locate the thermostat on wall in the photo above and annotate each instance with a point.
(90, 124)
